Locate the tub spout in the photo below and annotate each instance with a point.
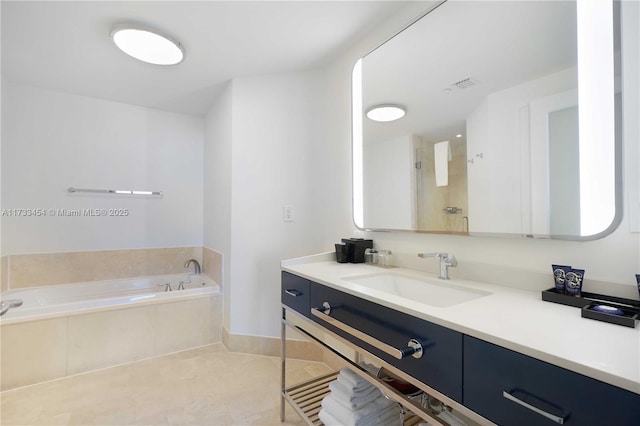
(195, 263)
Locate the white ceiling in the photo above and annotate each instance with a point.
(66, 45)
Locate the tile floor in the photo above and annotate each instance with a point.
(207, 386)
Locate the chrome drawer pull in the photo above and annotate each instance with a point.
(414, 347)
(557, 419)
(293, 292)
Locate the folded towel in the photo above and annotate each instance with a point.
(351, 380)
(371, 413)
(391, 419)
(350, 399)
(328, 419)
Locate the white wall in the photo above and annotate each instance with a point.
(615, 258)
(53, 140)
(265, 160)
(218, 140)
(389, 183)
(1, 85)
(631, 100)
(508, 196)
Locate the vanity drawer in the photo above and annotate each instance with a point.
(440, 365)
(295, 292)
(493, 374)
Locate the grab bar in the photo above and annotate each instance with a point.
(8, 304)
(414, 347)
(115, 191)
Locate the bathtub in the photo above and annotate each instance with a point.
(67, 329)
(73, 299)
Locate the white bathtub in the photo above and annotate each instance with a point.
(70, 299)
(67, 329)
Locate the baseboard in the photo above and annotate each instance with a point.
(270, 346)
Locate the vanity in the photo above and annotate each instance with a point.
(495, 355)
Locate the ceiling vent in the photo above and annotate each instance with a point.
(465, 83)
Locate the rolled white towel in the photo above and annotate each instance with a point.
(350, 399)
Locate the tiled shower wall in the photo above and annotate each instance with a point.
(31, 270)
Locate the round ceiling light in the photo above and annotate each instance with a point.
(385, 113)
(147, 45)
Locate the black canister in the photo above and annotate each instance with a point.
(356, 248)
(342, 253)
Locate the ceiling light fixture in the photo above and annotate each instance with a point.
(147, 45)
(385, 113)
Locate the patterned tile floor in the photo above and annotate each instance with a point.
(207, 386)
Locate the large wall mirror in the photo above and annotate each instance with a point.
(510, 125)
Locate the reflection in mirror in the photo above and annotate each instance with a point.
(509, 124)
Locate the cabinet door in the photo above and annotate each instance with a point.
(495, 377)
(295, 292)
(440, 366)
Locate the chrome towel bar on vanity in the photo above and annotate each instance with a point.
(414, 347)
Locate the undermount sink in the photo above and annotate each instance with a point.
(430, 291)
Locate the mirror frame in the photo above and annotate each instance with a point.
(357, 111)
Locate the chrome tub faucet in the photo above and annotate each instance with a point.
(195, 263)
(445, 262)
(8, 304)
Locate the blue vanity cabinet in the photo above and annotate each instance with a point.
(494, 376)
(440, 365)
(295, 292)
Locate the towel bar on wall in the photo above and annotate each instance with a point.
(116, 191)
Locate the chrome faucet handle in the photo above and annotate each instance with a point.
(440, 255)
(8, 304)
(450, 260)
(446, 261)
(167, 286)
(182, 283)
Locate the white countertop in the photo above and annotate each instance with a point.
(515, 319)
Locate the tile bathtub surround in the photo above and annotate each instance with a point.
(35, 351)
(212, 264)
(30, 270)
(203, 386)
(4, 274)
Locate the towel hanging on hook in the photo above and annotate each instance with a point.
(441, 158)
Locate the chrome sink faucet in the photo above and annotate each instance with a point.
(195, 263)
(445, 262)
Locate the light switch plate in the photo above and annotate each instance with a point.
(287, 213)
